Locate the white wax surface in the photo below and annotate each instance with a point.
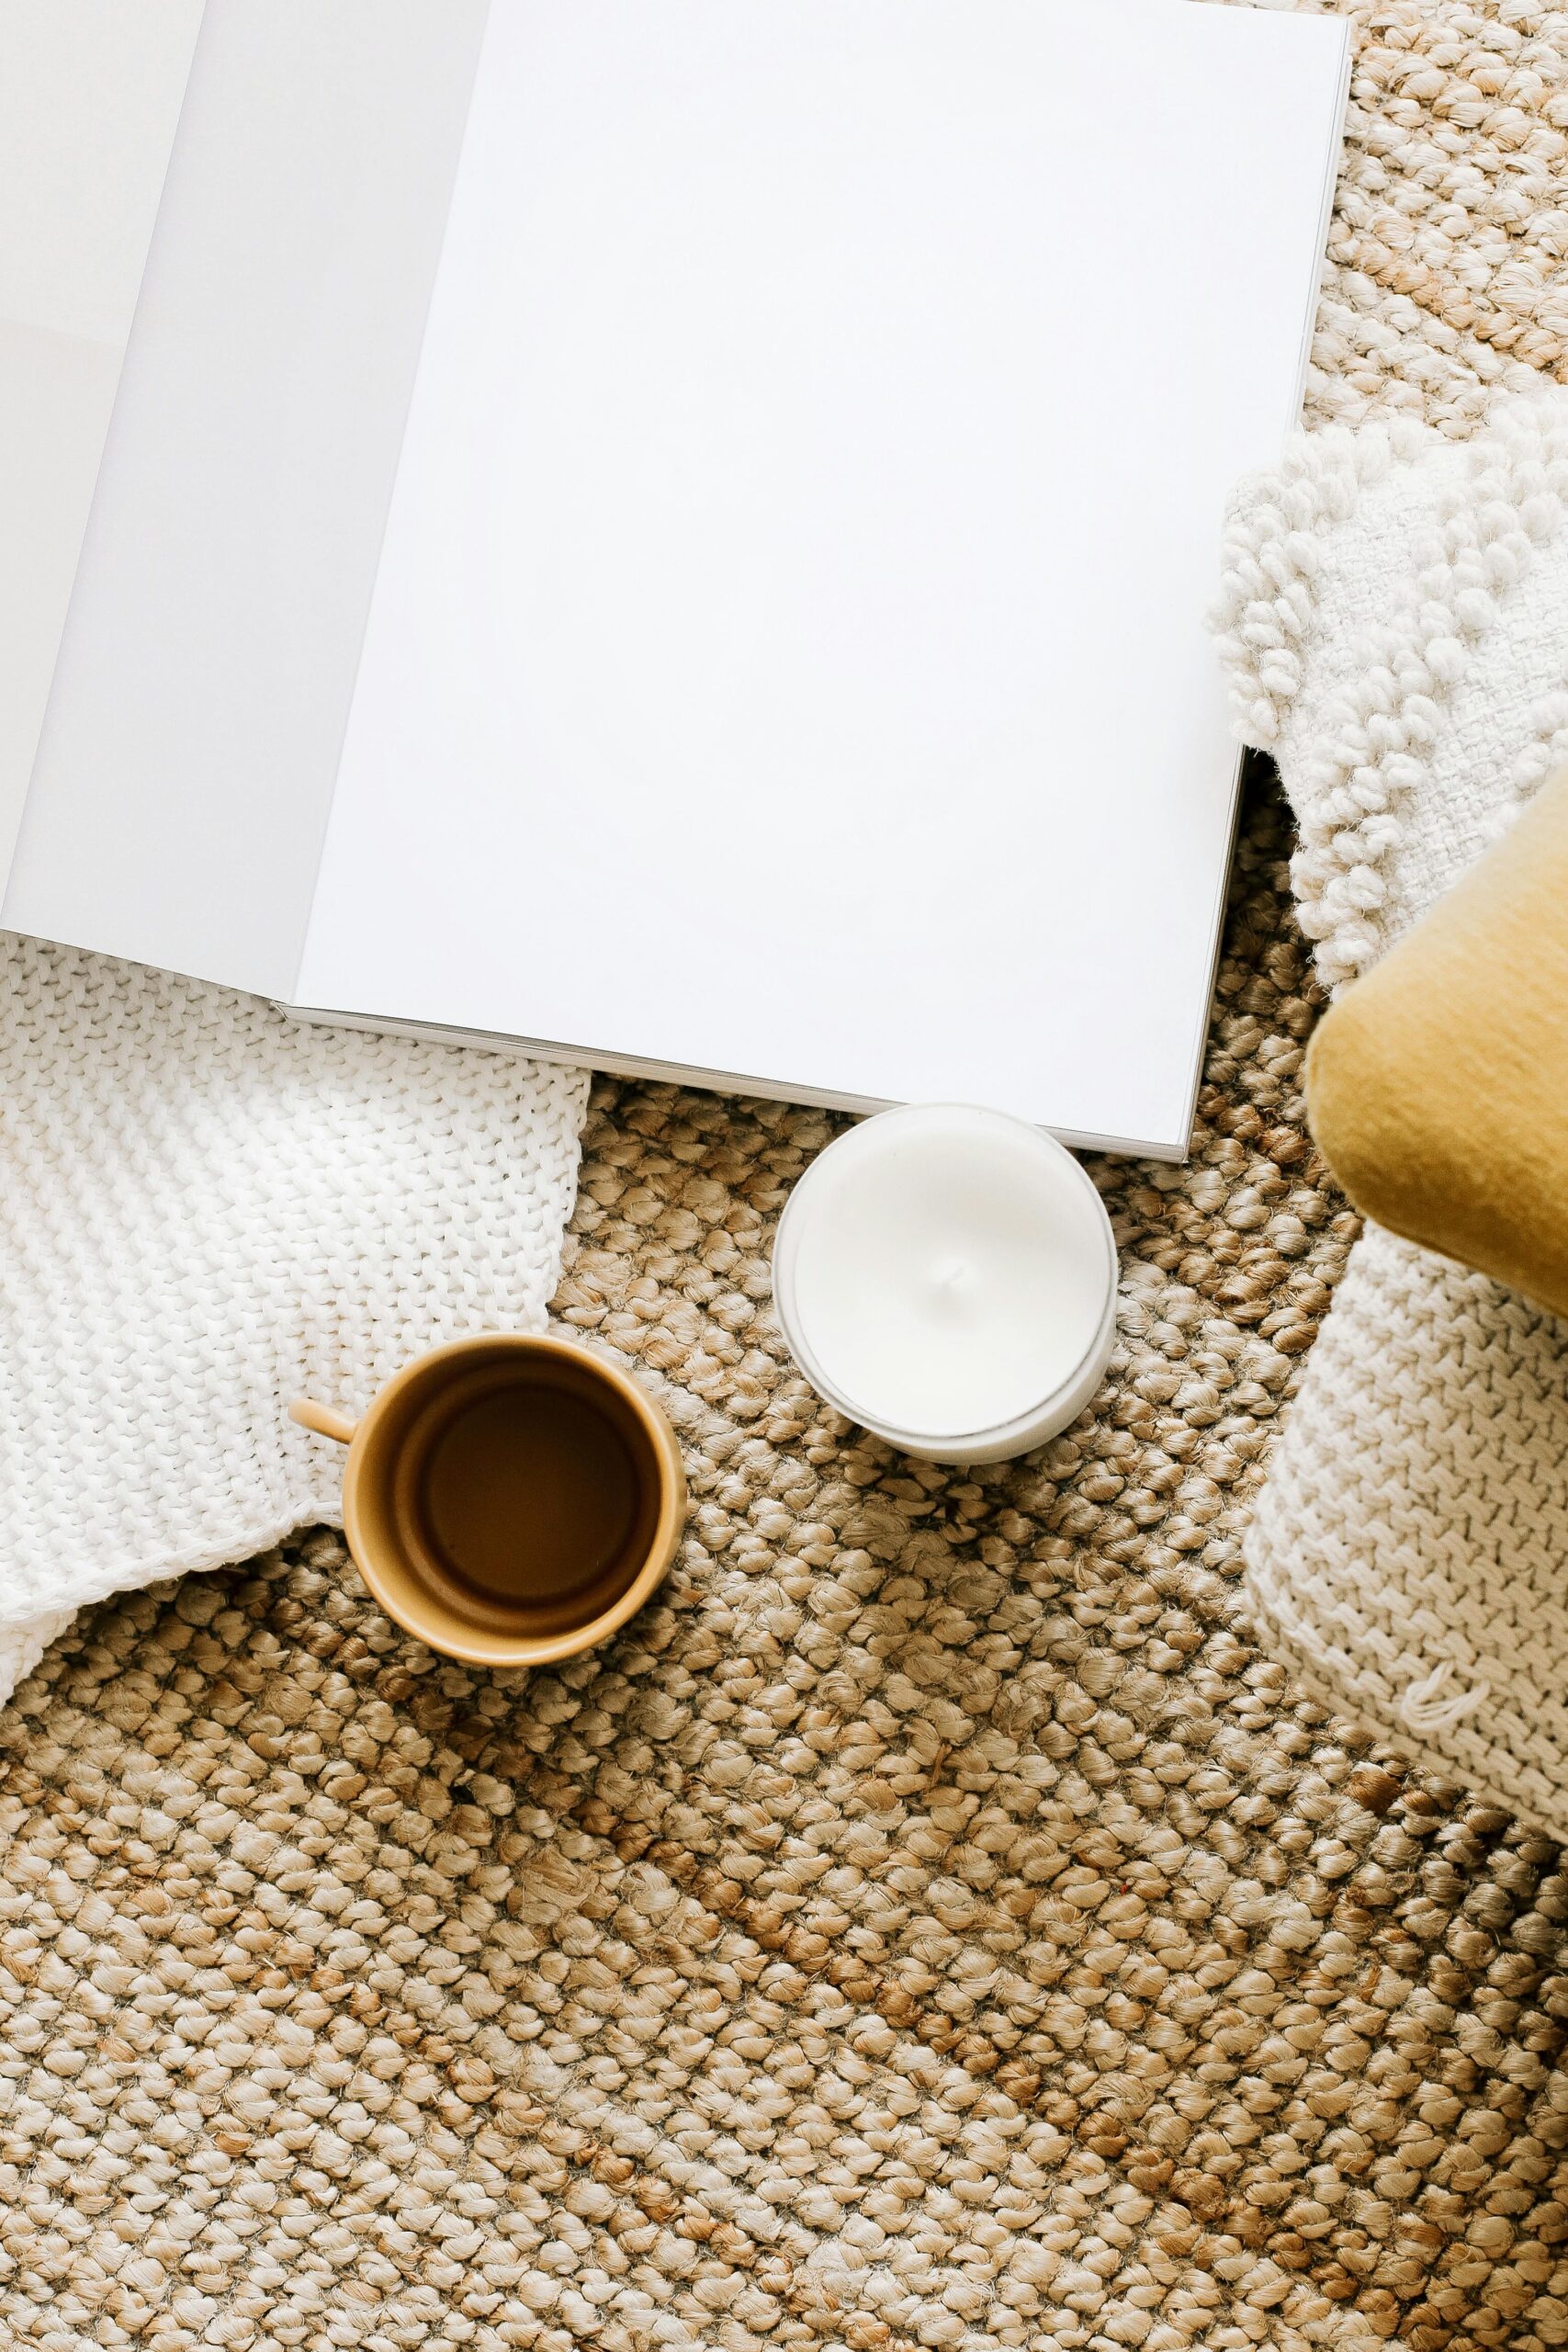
(952, 1270)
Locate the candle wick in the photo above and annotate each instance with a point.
(949, 1275)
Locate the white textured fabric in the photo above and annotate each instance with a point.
(1395, 622)
(209, 1210)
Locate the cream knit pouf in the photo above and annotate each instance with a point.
(1394, 622)
(208, 1208)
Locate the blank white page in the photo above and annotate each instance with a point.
(788, 657)
(90, 95)
(185, 763)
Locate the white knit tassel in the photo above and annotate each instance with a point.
(1426, 1711)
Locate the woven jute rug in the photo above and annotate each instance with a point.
(933, 1923)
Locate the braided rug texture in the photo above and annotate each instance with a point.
(932, 1923)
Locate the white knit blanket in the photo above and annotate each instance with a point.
(1395, 625)
(209, 1209)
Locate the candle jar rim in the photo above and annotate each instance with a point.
(999, 1441)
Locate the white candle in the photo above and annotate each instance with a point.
(946, 1276)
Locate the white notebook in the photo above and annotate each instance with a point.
(677, 532)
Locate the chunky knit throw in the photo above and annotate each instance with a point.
(208, 1209)
(1395, 625)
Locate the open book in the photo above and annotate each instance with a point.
(673, 532)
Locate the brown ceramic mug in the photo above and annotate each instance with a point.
(509, 1500)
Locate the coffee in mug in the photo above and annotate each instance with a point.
(509, 1500)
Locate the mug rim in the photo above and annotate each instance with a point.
(525, 1650)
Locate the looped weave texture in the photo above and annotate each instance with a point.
(209, 1208)
(1396, 627)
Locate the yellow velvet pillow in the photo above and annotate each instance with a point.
(1438, 1084)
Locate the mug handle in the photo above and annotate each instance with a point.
(325, 1419)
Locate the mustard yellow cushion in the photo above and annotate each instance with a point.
(1438, 1084)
